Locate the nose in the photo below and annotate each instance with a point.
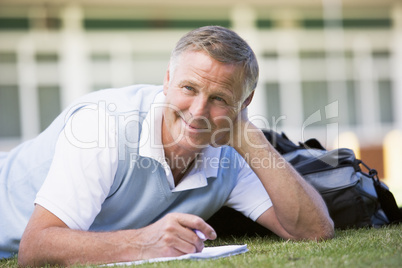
(199, 106)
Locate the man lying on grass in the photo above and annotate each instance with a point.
(129, 174)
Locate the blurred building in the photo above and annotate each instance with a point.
(327, 67)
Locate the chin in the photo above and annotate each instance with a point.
(195, 144)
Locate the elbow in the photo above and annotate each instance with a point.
(27, 258)
(324, 232)
(24, 258)
(30, 253)
(319, 232)
(23, 261)
(325, 235)
(329, 231)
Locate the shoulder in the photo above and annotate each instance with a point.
(135, 97)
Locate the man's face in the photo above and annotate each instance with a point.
(203, 98)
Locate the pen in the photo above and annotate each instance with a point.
(200, 234)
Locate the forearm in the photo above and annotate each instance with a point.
(59, 245)
(47, 240)
(299, 208)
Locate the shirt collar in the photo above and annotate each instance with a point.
(206, 164)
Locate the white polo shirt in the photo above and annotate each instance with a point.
(86, 160)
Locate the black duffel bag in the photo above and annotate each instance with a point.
(355, 198)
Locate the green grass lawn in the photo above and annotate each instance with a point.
(350, 248)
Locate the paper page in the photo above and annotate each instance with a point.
(207, 253)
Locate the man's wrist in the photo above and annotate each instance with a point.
(249, 137)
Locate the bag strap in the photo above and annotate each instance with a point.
(385, 197)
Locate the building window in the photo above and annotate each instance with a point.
(111, 24)
(49, 105)
(273, 103)
(100, 70)
(14, 24)
(9, 112)
(385, 101)
(351, 117)
(315, 98)
(347, 23)
(150, 68)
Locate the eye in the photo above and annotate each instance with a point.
(219, 99)
(189, 88)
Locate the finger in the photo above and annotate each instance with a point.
(195, 222)
(188, 242)
(200, 240)
(190, 236)
(208, 231)
(179, 236)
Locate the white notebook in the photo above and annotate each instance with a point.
(207, 253)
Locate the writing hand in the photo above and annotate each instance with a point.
(173, 235)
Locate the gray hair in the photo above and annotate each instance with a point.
(223, 45)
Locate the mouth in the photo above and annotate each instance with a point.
(194, 127)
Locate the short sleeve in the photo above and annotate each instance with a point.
(249, 195)
(83, 168)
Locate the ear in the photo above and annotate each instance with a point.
(166, 81)
(247, 101)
